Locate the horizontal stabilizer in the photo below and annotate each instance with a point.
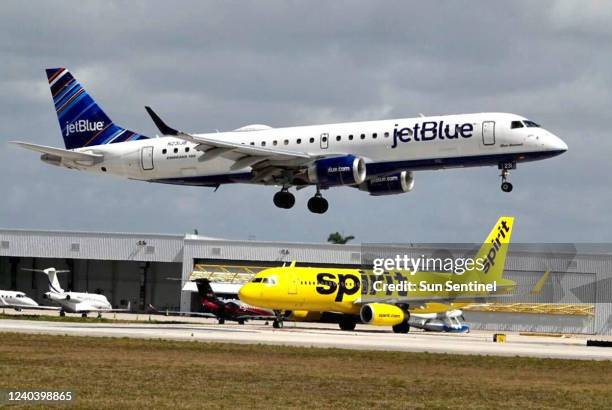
(61, 153)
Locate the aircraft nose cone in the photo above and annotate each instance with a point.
(246, 293)
(556, 144)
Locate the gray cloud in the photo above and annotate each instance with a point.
(220, 65)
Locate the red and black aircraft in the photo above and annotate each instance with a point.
(222, 309)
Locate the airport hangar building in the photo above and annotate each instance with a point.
(148, 269)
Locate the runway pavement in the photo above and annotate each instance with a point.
(322, 335)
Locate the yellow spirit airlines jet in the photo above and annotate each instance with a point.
(386, 299)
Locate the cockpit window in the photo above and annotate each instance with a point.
(269, 281)
(257, 280)
(516, 124)
(531, 123)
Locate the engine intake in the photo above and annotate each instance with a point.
(347, 170)
(382, 314)
(399, 183)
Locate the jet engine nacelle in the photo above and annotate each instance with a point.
(382, 314)
(347, 170)
(399, 183)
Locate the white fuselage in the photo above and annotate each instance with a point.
(386, 146)
(79, 302)
(14, 299)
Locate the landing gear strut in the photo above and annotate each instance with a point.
(278, 321)
(505, 173)
(284, 199)
(317, 204)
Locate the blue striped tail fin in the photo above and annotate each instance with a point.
(81, 119)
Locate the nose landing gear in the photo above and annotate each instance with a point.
(278, 320)
(505, 185)
(505, 173)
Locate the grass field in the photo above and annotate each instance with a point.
(107, 373)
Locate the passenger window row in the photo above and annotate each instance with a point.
(312, 140)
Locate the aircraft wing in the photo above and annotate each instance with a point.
(207, 144)
(61, 153)
(265, 161)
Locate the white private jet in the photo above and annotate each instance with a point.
(16, 300)
(378, 157)
(75, 302)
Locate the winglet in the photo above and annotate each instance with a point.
(160, 124)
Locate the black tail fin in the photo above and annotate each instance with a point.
(205, 290)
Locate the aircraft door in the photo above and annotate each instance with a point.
(293, 282)
(324, 140)
(488, 133)
(146, 157)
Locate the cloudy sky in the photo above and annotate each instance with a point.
(222, 65)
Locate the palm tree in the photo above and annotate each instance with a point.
(338, 239)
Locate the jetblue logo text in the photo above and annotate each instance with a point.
(83, 126)
(431, 130)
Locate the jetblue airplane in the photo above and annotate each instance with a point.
(379, 157)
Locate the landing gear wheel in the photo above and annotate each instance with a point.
(318, 205)
(506, 186)
(221, 321)
(284, 199)
(347, 325)
(277, 324)
(403, 327)
(83, 314)
(62, 313)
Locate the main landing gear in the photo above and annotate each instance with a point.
(317, 204)
(505, 173)
(347, 323)
(284, 199)
(403, 327)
